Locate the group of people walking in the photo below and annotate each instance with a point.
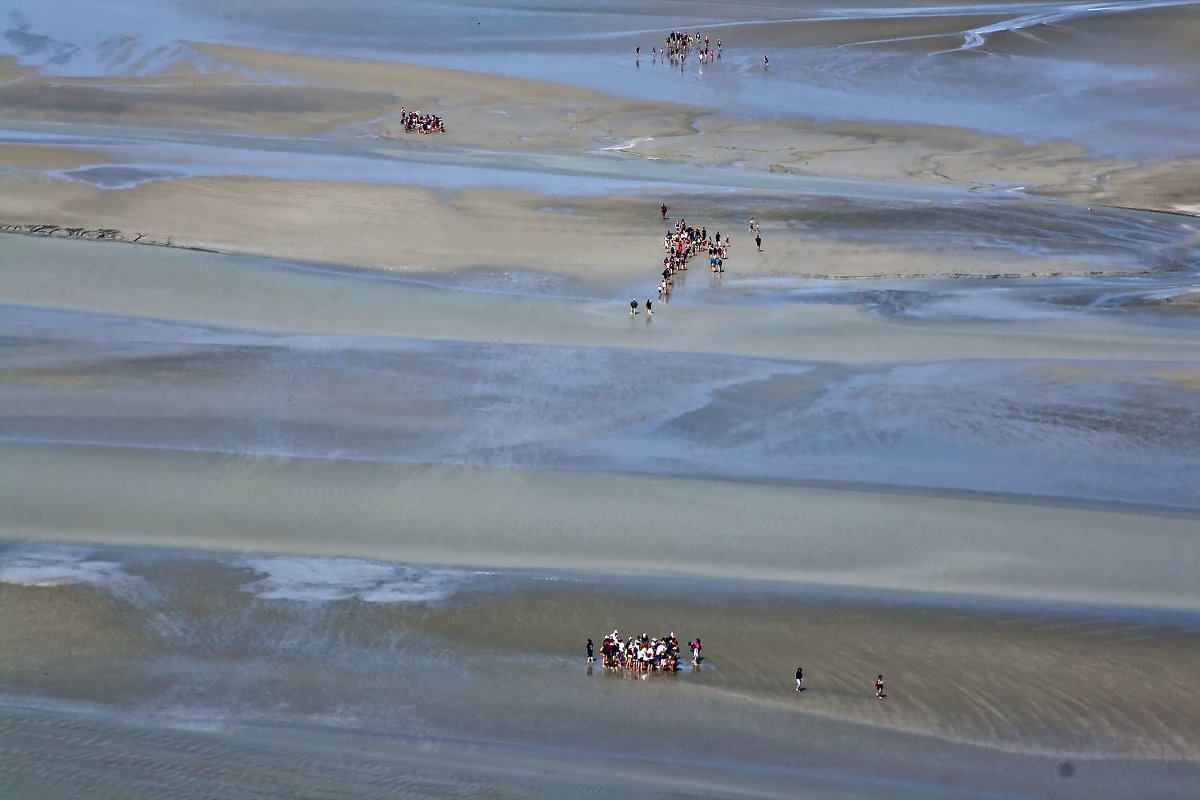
(681, 243)
(679, 44)
(684, 241)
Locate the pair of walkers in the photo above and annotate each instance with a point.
(800, 683)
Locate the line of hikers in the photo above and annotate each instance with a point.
(685, 241)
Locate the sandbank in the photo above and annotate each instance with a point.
(970, 544)
(608, 240)
(394, 226)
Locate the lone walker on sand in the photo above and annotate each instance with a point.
(879, 688)
(758, 241)
(799, 677)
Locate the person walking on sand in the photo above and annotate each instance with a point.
(591, 656)
(632, 307)
(664, 210)
(879, 688)
(649, 310)
(799, 677)
(758, 241)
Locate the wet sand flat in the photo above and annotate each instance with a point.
(452, 666)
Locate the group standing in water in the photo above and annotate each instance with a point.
(643, 654)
